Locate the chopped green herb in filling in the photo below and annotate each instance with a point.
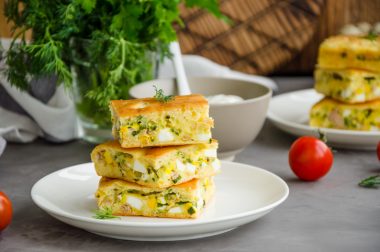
(175, 131)
(133, 191)
(175, 180)
(170, 195)
(337, 76)
(182, 202)
(191, 210)
(161, 204)
(368, 112)
(140, 124)
(360, 57)
(369, 79)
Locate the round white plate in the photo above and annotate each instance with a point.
(243, 194)
(290, 113)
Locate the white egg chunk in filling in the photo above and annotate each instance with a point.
(137, 166)
(175, 210)
(156, 167)
(148, 122)
(204, 137)
(191, 168)
(180, 166)
(186, 200)
(210, 152)
(165, 135)
(134, 202)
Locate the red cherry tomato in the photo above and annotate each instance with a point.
(378, 150)
(5, 211)
(310, 158)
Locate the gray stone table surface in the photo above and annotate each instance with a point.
(332, 214)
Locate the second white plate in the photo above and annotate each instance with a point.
(244, 193)
(290, 113)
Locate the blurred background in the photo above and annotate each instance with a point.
(275, 37)
(271, 36)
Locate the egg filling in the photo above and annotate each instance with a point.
(163, 129)
(329, 114)
(351, 86)
(342, 52)
(178, 165)
(149, 122)
(124, 199)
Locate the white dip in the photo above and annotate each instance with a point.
(224, 99)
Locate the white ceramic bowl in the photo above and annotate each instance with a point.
(236, 125)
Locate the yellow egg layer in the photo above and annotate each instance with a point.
(329, 113)
(156, 167)
(348, 85)
(124, 198)
(341, 52)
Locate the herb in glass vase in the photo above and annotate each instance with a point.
(99, 49)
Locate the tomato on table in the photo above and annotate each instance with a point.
(5, 211)
(378, 150)
(310, 158)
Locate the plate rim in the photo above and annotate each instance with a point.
(277, 119)
(162, 224)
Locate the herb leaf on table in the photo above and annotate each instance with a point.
(370, 182)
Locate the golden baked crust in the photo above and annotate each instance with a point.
(340, 52)
(158, 167)
(152, 153)
(182, 201)
(135, 107)
(329, 113)
(348, 85)
(148, 122)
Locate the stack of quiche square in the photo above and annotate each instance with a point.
(162, 161)
(348, 74)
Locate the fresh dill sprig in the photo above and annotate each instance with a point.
(105, 213)
(370, 182)
(108, 44)
(160, 96)
(371, 36)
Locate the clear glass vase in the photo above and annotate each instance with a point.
(94, 119)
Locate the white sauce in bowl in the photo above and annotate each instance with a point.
(223, 99)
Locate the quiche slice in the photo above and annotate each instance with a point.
(149, 122)
(329, 113)
(348, 85)
(342, 51)
(123, 198)
(158, 167)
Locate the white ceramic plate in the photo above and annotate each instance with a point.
(244, 193)
(290, 113)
